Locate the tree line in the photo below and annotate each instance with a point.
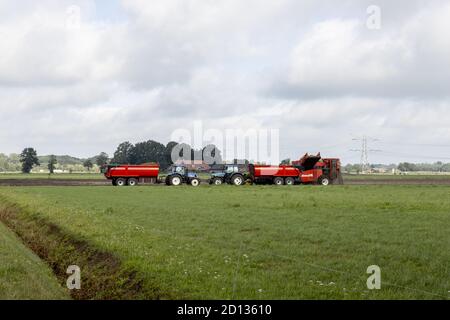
(126, 153)
(165, 155)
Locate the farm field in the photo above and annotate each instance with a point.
(22, 274)
(255, 242)
(56, 176)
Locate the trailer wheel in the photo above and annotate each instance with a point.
(217, 181)
(175, 180)
(195, 182)
(324, 181)
(290, 181)
(132, 182)
(114, 182)
(278, 181)
(237, 180)
(120, 182)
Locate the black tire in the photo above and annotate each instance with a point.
(167, 181)
(195, 182)
(324, 181)
(132, 182)
(217, 181)
(175, 180)
(121, 182)
(114, 182)
(289, 181)
(278, 181)
(237, 180)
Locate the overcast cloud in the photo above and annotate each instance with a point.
(138, 69)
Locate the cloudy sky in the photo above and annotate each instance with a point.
(79, 77)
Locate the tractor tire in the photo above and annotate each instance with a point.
(290, 181)
(167, 181)
(278, 181)
(132, 182)
(324, 181)
(195, 182)
(175, 180)
(237, 180)
(121, 182)
(114, 182)
(217, 181)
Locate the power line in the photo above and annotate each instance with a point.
(365, 165)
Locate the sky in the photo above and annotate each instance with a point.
(80, 77)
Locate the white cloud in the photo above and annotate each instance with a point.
(314, 71)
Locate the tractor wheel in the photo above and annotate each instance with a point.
(324, 181)
(237, 180)
(290, 181)
(195, 182)
(278, 181)
(217, 181)
(167, 181)
(114, 182)
(121, 182)
(132, 182)
(175, 180)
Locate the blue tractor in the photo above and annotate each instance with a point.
(230, 174)
(180, 174)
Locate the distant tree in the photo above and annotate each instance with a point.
(148, 151)
(167, 158)
(88, 164)
(102, 159)
(28, 158)
(51, 163)
(286, 161)
(407, 167)
(123, 153)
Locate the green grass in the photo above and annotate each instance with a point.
(22, 274)
(262, 242)
(68, 176)
(396, 177)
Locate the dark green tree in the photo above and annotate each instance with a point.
(102, 159)
(123, 154)
(52, 163)
(88, 164)
(148, 151)
(28, 158)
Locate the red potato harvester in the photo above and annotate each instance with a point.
(308, 170)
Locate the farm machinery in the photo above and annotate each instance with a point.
(180, 175)
(230, 174)
(131, 175)
(308, 170)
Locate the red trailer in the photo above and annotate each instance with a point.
(309, 169)
(130, 175)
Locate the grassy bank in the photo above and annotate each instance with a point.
(22, 274)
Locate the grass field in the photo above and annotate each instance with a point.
(22, 274)
(260, 242)
(396, 177)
